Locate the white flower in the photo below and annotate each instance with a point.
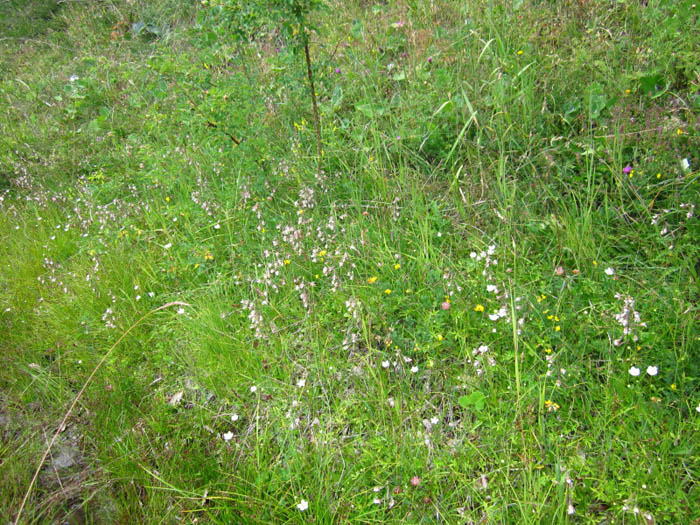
(609, 271)
(180, 311)
(73, 78)
(234, 417)
(253, 389)
(685, 164)
(303, 505)
(570, 510)
(376, 501)
(168, 246)
(414, 369)
(634, 371)
(652, 370)
(698, 407)
(385, 364)
(434, 420)
(227, 436)
(301, 383)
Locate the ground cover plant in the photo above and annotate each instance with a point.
(482, 309)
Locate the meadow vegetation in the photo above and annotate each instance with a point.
(483, 309)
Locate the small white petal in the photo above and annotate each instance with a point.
(228, 436)
(253, 389)
(652, 370)
(303, 505)
(634, 371)
(609, 271)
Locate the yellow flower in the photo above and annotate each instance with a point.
(673, 386)
(439, 337)
(679, 131)
(557, 328)
(287, 261)
(397, 266)
(520, 52)
(387, 291)
(548, 350)
(551, 406)
(372, 280)
(322, 253)
(479, 308)
(208, 256)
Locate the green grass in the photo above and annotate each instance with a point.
(429, 332)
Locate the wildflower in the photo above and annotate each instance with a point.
(634, 371)
(387, 291)
(430, 60)
(234, 417)
(439, 337)
(385, 364)
(520, 52)
(337, 71)
(397, 266)
(376, 501)
(685, 164)
(609, 271)
(180, 311)
(479, 308)
(73, 78)
(446, 305)
(627, 169)
(652, 370)
(227, 436)
(415, 481)
(697, 408)
(253, 389)
(551, 406)
(414, 369)
(557, 328)
(303, 505)
(372, 280)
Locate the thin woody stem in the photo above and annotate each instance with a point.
(317, 120)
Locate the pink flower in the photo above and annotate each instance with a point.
(626, 170)
(446, 305)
